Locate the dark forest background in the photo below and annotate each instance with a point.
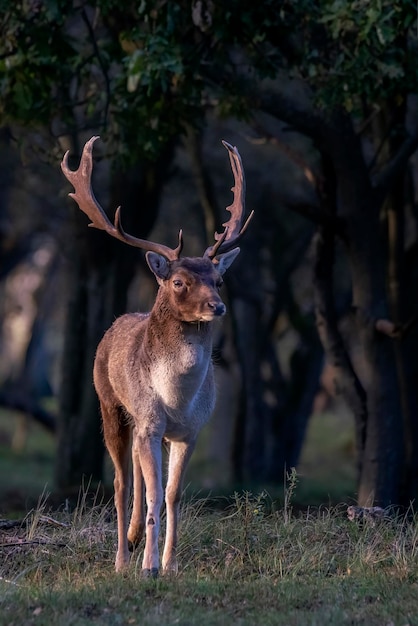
(321, 100)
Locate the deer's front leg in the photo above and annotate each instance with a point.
(180, 453)
(151, 461)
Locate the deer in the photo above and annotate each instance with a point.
(153, 372)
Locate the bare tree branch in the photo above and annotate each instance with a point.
(297, 110)
(395, 331)
(293, 107)
(28, 405)
(346, 380)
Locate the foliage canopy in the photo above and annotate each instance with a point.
(144, 71)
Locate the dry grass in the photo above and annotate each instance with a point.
(247, 564)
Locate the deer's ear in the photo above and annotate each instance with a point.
(158, 265)
(225, 260)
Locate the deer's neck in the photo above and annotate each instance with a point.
(165, 328)
(181, 367)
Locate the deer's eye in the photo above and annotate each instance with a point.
(177, 283)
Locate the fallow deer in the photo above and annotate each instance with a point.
(153, 371)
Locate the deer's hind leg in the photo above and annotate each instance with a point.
(137, 524)
(117, 434)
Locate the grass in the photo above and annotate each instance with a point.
(248, 564)
(246, 560)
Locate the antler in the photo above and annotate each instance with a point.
(84, 196)
(233, 227)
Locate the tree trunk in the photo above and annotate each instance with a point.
(395, 209)
(100, 271)
(346, 382)
(291, 401)
(357, 220)
(80, 449)
(381, 458)
(245, 299)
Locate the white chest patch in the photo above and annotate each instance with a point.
(178, 379)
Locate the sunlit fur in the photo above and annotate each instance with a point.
(154, 378)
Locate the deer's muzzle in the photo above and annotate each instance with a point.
(217, 308)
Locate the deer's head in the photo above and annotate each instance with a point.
(191, 285)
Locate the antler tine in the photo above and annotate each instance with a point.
(233, 227)
(86, 200)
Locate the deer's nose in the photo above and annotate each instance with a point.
(217, 308)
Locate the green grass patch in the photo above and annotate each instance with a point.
(326, 471)
(327, 465)
(26, 468)
(249, 564)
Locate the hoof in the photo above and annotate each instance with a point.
(150, 573)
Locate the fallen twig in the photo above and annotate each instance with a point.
(7, 524)
(37, 542)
